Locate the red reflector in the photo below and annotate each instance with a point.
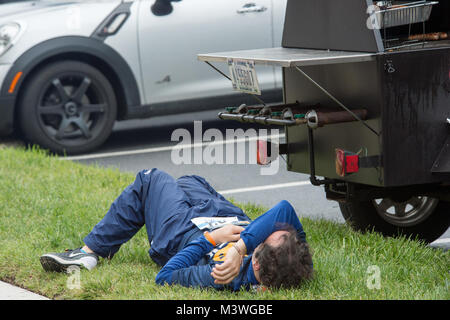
(346, 162)
(351, 163)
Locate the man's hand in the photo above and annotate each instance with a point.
(228, 233)
(225, 273)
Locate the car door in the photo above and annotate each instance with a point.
(169, 44)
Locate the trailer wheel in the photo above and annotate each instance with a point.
(418, 217)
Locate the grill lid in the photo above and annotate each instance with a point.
(330, 24)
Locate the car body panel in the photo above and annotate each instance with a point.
(32, 58)
(154, 56)
(129, 49)
(4, 68)
(169, 75)
(73, 18)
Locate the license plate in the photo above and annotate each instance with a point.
(243, 76)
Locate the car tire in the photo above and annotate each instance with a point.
(428, 222)
(68, 107)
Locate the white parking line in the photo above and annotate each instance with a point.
(168, 148)
(266, 187)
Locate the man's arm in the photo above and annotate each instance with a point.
(277, 218)
(182, 268)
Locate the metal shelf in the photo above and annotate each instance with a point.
(287, 57)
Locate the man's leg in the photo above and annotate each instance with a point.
(123, 220)
(153, 199)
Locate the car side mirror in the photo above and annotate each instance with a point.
(162, 8)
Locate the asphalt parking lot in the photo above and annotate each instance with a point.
(142, 144)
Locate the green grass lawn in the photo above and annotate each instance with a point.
(48, 205)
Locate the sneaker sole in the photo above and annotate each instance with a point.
(50, 263)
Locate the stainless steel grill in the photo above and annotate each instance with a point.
(367, 116)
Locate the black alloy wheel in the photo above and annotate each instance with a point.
(68, 107)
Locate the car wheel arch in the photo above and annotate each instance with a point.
(83, 49)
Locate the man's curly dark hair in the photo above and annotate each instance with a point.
(286, 265)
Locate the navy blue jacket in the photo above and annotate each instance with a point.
(192, 266)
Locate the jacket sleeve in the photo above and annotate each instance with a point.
(277, 218)
(182, 268)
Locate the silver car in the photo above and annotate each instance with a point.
(70, 69)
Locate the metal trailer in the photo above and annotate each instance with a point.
(366, 106)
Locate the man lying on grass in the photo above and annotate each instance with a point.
(271, 250)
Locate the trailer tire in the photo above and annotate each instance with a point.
(365, 216)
